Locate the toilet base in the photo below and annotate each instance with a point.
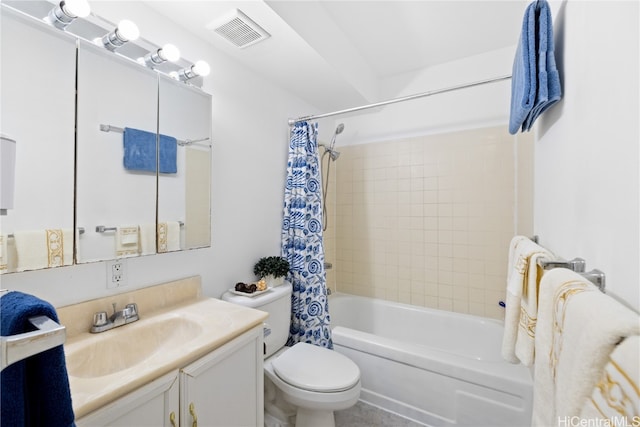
(309, 418)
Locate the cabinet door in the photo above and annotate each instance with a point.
(225, 388)
(155, 404)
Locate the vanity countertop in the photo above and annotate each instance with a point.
(105, 366)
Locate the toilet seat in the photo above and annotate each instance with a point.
(314, 368)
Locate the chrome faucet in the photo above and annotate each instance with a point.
(101, 323)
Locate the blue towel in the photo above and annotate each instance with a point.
(34, 391)
(549, 91)
(523, 76)
(535, 82)
(140, 151)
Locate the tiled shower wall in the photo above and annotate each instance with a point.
(427, 220)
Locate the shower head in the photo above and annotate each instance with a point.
(333, 154)
(339, 130)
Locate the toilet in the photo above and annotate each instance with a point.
(304, 384)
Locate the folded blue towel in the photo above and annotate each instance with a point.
(34, 391)
(523, 76)
(549, 91)
(140, 151)
(535, 82)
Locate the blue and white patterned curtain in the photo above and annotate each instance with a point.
(302, 240)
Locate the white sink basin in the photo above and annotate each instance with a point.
(129, 345)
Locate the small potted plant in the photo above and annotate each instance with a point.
(273, 269)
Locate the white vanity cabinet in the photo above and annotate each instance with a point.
(223, 388)
(150, 405)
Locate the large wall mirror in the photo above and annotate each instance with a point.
(184, 197)
(138, 141)
(37, 120)
(115, 205)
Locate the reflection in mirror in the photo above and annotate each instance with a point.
(184, 197)
(116, 178)
(37, 112)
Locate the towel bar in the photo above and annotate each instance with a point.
(577, 264)
(180, 142)
(596, 277)
(80, 231)
(18, 347)
(104, 229)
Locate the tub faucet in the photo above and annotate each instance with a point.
(101, 323)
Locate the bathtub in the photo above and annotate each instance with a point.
(435, 367)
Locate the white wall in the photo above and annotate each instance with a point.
(250, 136)
(469, 108)
(586, 173)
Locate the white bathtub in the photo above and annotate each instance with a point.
(435, 367)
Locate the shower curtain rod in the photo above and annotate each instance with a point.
(402, 99)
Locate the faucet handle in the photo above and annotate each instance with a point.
(132, 309)
(100, 318)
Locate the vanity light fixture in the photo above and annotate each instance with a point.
(168, 52)
(125, 31)
(65, 12)
(200, 68)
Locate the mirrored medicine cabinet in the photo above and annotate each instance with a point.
(73, 200)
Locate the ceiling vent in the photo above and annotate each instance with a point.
(239, 29)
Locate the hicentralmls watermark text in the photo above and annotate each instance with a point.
(599, 422)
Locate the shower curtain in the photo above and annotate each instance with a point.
(302, 240)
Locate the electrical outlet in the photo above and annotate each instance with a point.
(116, 273)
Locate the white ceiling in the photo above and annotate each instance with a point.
(336, 54)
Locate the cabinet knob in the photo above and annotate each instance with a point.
(192, 411)
(172, 418)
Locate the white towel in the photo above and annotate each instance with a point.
(616, 396)
(148, 239)
(168, 236)
(521, 312)
(127, 241)
(578, 327)
(4, 254)
(43, 248)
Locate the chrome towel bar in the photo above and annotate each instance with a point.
(579, 265)
(180, 142)
(105, 229)
(14, 348)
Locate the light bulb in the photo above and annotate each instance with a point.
(77, 8)
(128, 30)
(201, 68)
(169, 52)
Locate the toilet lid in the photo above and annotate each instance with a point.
(314, 368)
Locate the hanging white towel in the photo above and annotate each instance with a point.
(148, 239)
(521, 312)
(127, 241)
(578, 327)
(616, 396)
(43, 248)
(168, 236)
(173, 236)
(4, 254)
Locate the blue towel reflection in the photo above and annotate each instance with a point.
(140, 151)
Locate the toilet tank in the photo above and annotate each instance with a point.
(277, 302)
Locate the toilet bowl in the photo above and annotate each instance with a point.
(316, 381)
(304, 383)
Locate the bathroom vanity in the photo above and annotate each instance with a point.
(188, 359)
